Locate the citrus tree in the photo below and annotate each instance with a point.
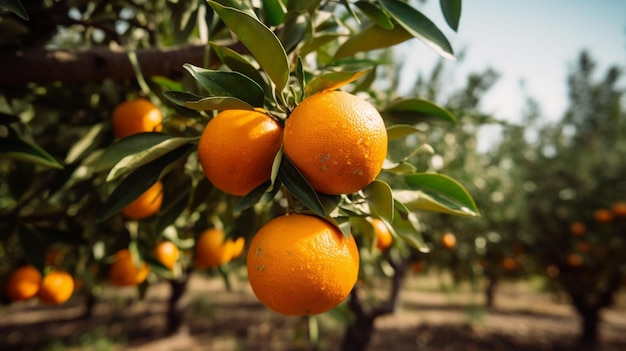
(575, 194)
(150, 139)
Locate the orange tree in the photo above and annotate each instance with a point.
(575, 184)
(303, 66)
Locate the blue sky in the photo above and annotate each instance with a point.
(531, 40)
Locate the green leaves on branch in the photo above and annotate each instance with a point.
(419, 26)
(438, 193)
(262, 43)
(417, 110)
(451, 12)
(19, 149)
(332, 80)
(371, 38)
(228, 84)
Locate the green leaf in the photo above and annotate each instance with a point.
(258, 195)
(228, 84)
(16, 7)
(236, 62)
(259, 40)
(303, 5)
(132, 144)
(371, 38)
(84, 144)
(332, 81)
(437, 192)
(296, 27)
(295, 182)
(316, 42)
(200, 103)
(407, 226)
(175, 207)
(184, 15)
(399, 131)
(380, 199)
(139, 181)
(346, 4)
(399, 168)
(417, 110)
(131, 162)
(275, 11)
(21, 150)
(451, 12)
(33, 246)
(419, 26)
(375, 14)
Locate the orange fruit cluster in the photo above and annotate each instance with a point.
(124, 272)
(237, 150)
(213, 251)
(302, 265)
(26, 282)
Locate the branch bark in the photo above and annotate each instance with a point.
(96, 64)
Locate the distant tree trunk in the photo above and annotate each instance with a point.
(358, 334)
(90, 303)
(590, 319)
(490, 291)
(178, 304)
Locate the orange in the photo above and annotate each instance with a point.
(302, 265)
(23, 283)
(578, 228)
(146, 205)
(238, 246)
(383, 235)
(448, 241)
(124, 272)
(212, 250)
(167, 253)
(136, 116)
(56, 287)
(337, 140)
(603, 215)
(237, 150)
(509, 263)
(619, 209)
(574, 260)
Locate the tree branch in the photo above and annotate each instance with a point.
(96, 64)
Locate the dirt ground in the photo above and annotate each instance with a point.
(429, 317)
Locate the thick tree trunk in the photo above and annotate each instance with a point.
(177, 305)
(358, 335)
(590, 320)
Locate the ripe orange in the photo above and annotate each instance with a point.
(578, 228)
(167, 253)
(212, 250)
(146, 205)
(619, 209)
(383, 235)
(302, 265)
(124, 272)
(237, 149)
(508, 263)
(337, 140)
(56, 287)
(136, 116)
(238, 246)
(448, 241)
(574, 260)
(603, 215)
(23, 283)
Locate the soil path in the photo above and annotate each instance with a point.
(428, 318)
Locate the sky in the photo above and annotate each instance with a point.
(531, 41)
